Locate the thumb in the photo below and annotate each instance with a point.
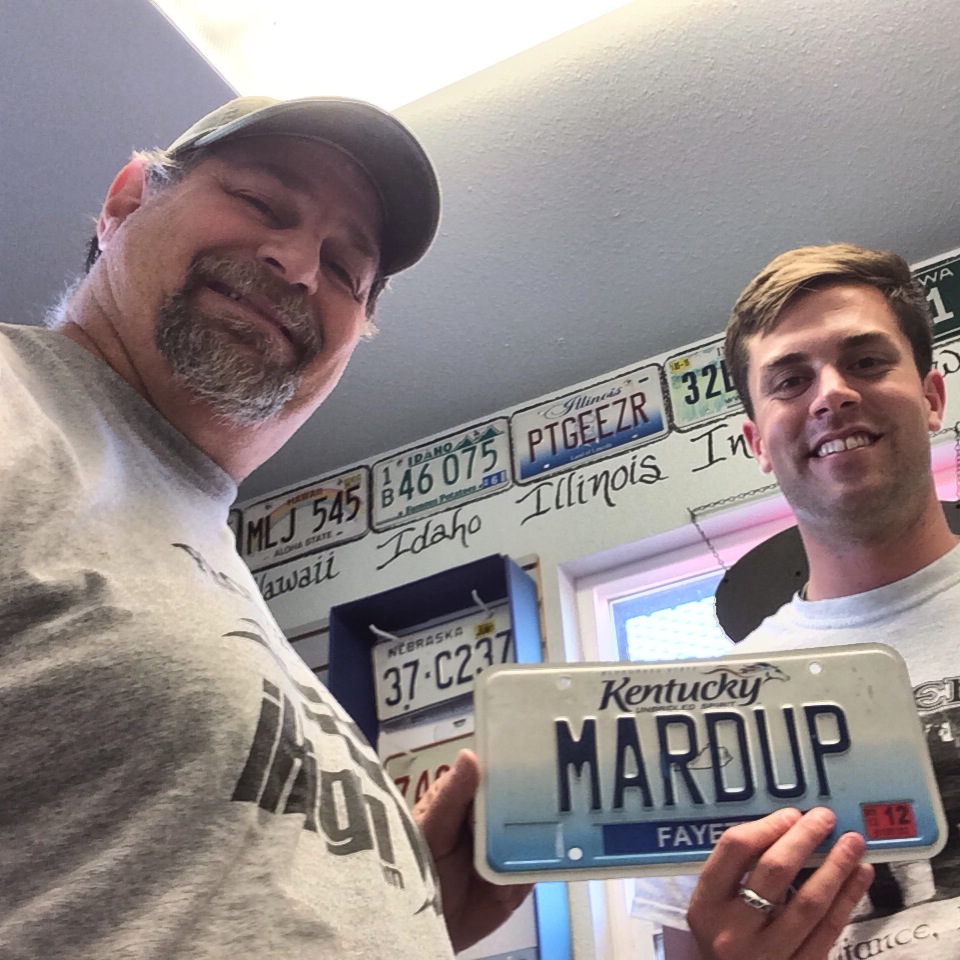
(444, 809)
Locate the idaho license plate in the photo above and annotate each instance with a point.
(612, 770)
(444, 473)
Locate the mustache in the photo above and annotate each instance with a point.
(246, 277)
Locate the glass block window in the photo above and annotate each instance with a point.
(675, 622)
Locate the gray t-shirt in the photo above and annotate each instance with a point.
(912, 911)
(174, 782)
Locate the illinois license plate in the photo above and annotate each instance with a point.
(637, 769)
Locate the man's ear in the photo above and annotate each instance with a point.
(755, 443)
(935, 391)
(125, 195)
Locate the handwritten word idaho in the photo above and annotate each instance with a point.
(416, 539)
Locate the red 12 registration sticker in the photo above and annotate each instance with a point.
(889, 821)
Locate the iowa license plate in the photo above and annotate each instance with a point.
(637, 769)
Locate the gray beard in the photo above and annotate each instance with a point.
(236, 367)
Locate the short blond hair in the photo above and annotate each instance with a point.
(805, 269)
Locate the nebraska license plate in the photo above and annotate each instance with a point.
(439, 663)
(637, 769)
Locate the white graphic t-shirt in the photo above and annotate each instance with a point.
(912, 911)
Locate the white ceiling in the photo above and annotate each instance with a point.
(606, 195)
(293, 48)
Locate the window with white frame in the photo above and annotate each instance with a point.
(661, 607)
(672, 622)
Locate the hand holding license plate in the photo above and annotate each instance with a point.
(619, 770)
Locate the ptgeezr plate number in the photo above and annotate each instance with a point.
(439, 664)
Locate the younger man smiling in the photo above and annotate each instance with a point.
(831, 351)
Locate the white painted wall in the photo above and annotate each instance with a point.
(577, 522)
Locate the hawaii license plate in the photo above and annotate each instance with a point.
(637, 769)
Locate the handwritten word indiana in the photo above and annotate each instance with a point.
(713, 446)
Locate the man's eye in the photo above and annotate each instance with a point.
(869, 363)
(788, 387)
(258, 203)
(344, 276)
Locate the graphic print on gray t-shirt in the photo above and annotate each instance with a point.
(137, 664)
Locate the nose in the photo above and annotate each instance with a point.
(294, 255)
(833, 392)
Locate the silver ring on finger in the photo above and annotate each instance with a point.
(753, 899)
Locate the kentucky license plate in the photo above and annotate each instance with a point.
(613, 770)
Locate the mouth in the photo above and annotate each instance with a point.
(259, 305)
(855, 441)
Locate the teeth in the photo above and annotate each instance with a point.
(233, 293)
(838, 446)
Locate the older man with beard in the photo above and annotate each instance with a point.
(173, 781)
